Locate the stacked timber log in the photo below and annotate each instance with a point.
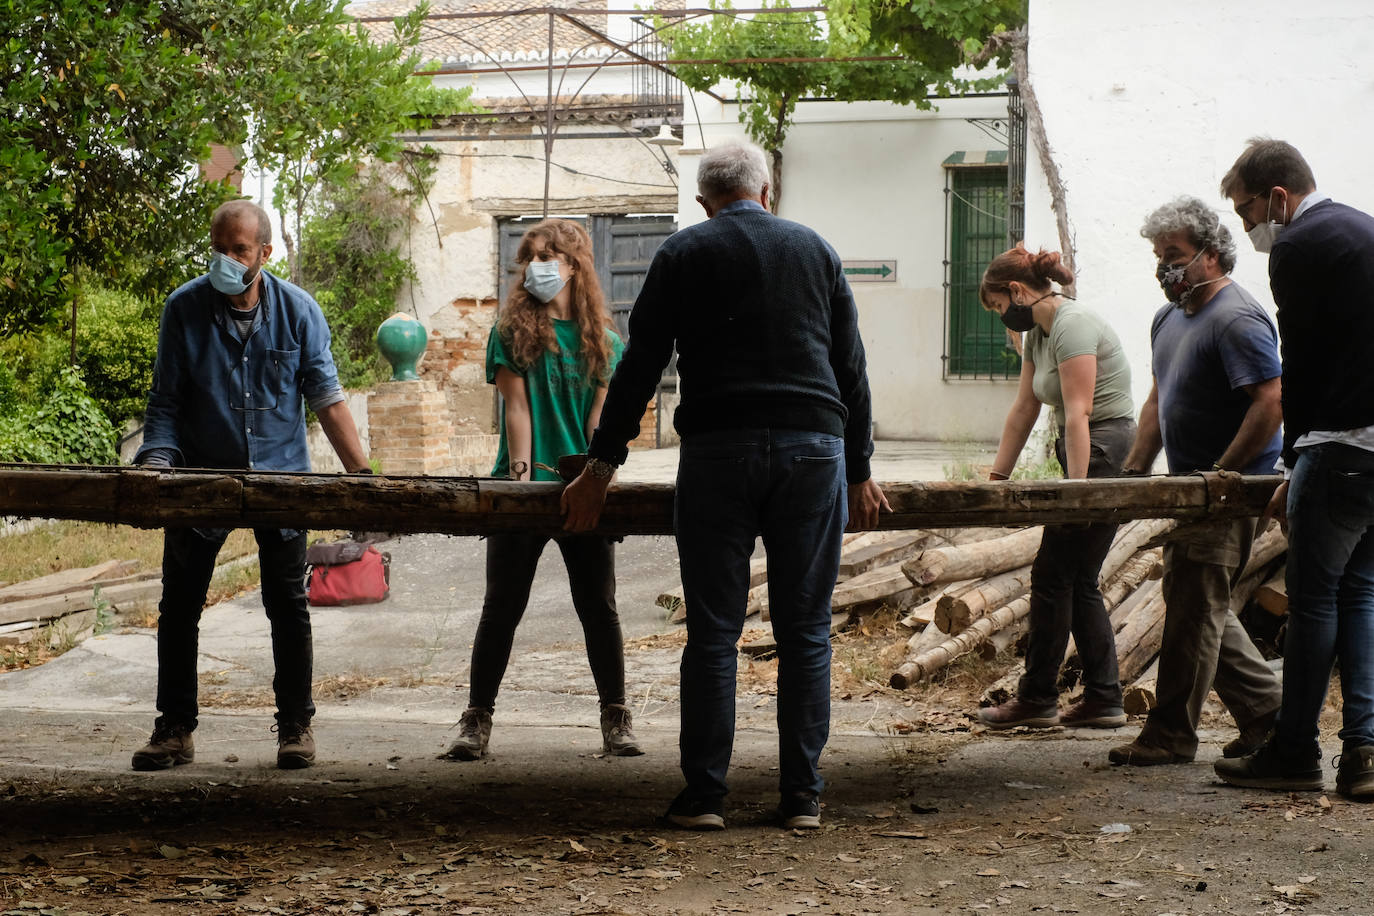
(870, 576)
(71, 596)
(989, 613)
(1135, 601)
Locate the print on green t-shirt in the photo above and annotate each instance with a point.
(560, 394)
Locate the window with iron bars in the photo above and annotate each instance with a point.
(976, 343)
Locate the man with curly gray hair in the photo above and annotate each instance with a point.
(1213, 405)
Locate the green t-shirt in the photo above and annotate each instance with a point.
(560, 394)
(1076, 331)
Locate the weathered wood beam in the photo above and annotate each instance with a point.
(473, 505)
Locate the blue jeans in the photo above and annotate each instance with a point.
(787, 486)
(188, 562)
(1330, 596)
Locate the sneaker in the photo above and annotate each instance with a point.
(1355, 773)
(1140, 754)
(295, 746)
(696, 813)
(1252, 737)
(1266, 769)
(1085, 713)
(617, 732)
(1016, 712)
(170, 746)
(474, 731)
(800, 811)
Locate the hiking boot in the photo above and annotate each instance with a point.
(1014, 713)
(1266, 769)
(800, 811)
(1252, 737)
(1355, 773)
(474, 731)
(295, 746)
(617, 732)
(170, 746)
(1140, 754)
(1085, 713)
(696, 813)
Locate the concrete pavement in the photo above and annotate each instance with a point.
(404, 660)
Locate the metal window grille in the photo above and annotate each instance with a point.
(1016, 164)
(976, 344)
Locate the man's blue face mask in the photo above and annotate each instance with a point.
(543, 280)
(228, 276)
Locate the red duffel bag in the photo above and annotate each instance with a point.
(346, 573)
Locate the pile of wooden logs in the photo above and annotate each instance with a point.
(72, 596)
(966, 590)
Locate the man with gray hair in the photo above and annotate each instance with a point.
(1213, 405)
(775, 421)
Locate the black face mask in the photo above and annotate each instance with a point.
(1018, 318)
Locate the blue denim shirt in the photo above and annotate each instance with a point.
(223, 402)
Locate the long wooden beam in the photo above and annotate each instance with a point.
(476, 505)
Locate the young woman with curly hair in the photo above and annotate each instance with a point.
(1073, 362)
(550, 355)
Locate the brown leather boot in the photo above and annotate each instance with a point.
(170, 746)
(295, 746)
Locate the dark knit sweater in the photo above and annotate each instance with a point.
(767, 335)
(1321, 272)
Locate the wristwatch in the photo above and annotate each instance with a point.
(601, 470)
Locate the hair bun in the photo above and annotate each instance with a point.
(1048, 265)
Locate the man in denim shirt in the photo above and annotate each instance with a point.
(239, 354)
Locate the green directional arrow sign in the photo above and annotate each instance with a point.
(871, 271)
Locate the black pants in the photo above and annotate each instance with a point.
(511, 563)
(1065, 597)
(188, 562)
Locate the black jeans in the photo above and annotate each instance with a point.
(1065, 597)
(512, 559)
(188, 562)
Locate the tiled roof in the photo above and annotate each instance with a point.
(504, 36)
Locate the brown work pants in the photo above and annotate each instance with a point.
(1204, 645)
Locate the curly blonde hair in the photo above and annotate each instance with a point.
(525, 325)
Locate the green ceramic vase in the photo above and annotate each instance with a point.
(402, 339)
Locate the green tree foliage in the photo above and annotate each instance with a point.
(351, 262)
(103, 114)
(346, 100)
(934, 38)
(116, 346)
(67, 427)
(106, 108)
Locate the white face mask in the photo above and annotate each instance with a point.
(1264, 235)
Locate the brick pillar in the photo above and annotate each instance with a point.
(409, 428)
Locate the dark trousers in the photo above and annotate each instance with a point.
(733, 486)
(1065, 597)
(188, 562)
(512, 559)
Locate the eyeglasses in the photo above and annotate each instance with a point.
(1247, 202)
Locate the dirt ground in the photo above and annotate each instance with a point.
(925, 813)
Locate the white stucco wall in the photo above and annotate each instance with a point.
(1142, 105)
(868, 177)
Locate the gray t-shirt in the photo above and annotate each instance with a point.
(1077, 331)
